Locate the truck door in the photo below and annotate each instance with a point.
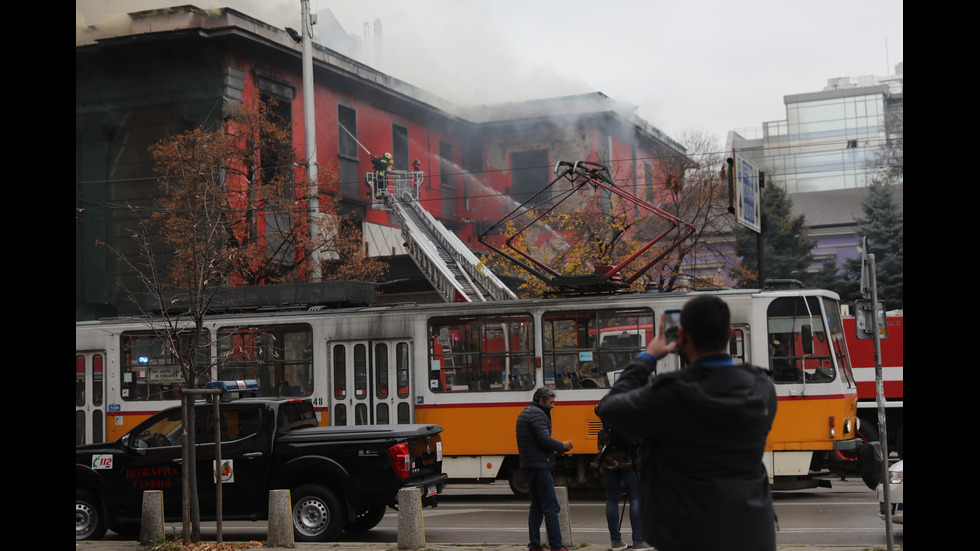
(371, 382)
(245, 454)
(90, 397)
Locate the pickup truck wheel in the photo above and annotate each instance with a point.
(317, 514)
(367, 520)
(89, 522)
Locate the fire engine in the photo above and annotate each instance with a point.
(892, 361)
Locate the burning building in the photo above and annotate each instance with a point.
(175, 69)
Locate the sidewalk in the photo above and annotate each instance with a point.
(350, 546)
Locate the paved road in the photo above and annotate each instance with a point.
(480, 517)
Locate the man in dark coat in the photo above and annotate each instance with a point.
(704, 431)
(537, 451)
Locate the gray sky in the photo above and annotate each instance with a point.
(714, 65)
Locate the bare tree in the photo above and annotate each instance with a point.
(888, 163)
(694, 189)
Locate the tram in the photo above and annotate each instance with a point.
(472, 367)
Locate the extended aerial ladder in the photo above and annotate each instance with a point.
(448, 264)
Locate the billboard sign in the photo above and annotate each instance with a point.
(748, 196)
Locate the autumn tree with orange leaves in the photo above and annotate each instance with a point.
(231, 211)
(246, 175)
(597, 228)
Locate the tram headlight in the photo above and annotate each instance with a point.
(847, 425)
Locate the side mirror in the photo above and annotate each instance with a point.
(806, 336)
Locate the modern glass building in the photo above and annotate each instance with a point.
(828, 139)
(822, 153)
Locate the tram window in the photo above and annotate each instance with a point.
(381, 370)
(79, 381)
(402, 369)
(361, 414)
(360, 372)
(480, 353)
(79, 427)
(404, 413)
(339, 415)
(97, 425)
(279, 357)
(381, 414)
(583, 349)
(150, 370)
(837, 338)
(790, 319)
(97, 380)
(339, 372)
(736, 346)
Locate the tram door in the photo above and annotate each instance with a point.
(371, 382)
(89, 397)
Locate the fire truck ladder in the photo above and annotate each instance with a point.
(449, 265)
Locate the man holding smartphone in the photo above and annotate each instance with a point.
(704, 429)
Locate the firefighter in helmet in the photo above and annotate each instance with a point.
(382, 165)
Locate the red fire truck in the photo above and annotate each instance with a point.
(892, 362)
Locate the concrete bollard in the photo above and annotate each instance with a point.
(280, 520)
(151, 517)
(564, 518)
(411, 533)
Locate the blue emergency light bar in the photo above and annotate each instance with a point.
(247, 384)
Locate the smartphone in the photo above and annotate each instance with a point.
(672, 321)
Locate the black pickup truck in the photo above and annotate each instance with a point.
(340, 478)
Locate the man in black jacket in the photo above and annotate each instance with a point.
(704, 431)
(537, 451)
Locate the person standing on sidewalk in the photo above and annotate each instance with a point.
(704, 429)
(618, 459)
(537, 451)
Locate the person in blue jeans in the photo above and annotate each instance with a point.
(618, 460)
(537, 450)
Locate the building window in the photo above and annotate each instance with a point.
(530, 174)
(447, 180)
(473, 164)
(276, 163)
(347, 140)
(399, 147)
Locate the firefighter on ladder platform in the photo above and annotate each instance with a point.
(382, 166)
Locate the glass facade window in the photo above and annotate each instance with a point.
(825, 144)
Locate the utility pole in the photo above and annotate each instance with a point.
(309, 124)
(869, 289)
